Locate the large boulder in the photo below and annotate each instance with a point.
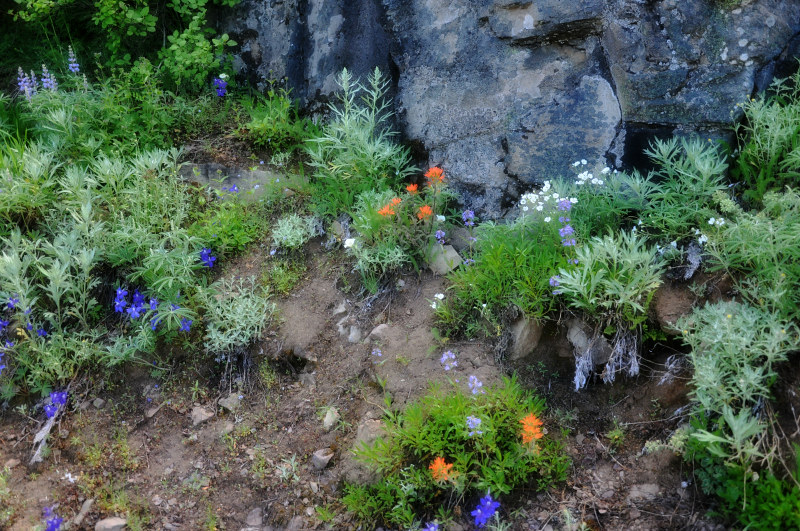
(504, 94)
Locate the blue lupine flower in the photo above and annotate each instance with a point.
(27, 84)
(138, 298)
(121, 293)
(41, 332)
(119, 305)
(29, 327)
(48, 80)
(153, 303)
(53, 524)
(4, 324)
(154, 322)
(564, 205)
(475, 385)
(440, 234)
(74, 67)
(12, 302)
(563, 219)
(9, 344)
(569, 242)
(50, 410)
(565, 231)
(469, 262)
(485, 510)
(432, 526)
(221, 86)
(185, 324)
(473, 423)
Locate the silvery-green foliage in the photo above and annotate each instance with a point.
(293, 231)
(236, 312)
(380, 258)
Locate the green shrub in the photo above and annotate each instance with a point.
(432, 458)
(688, 175)
(760, 251)
(229, 225)
(275, 122)
(293, 231)
(769, 154)
(355, 152)
(236, 313)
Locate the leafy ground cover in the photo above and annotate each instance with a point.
(277, 352)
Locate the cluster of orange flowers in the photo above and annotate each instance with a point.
(424, 212)
(531, 429)
(440, 470)
(435, 176)
(388, 210)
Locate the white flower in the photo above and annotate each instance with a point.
(524, 209)
(439, 218)
(605, 170)
(223, 76)
(349, 242)
(674, 244)
(439, 296)
(583, 161)
(555, 195)
(573, 200)
(546, 186)
(547, 219)
(576, 163)
(434, 304)
(69, 477)
(702, 239)
(539, 208)
(712, 221)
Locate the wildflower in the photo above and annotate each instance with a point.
(153, 303)
(569, 242)
(440, 470)
(221, 86)
(52, 521)
(48, 80)
(485, 510)
(565, 231)
(41, 332)
(396, 201)
(469, 218)
(12, 302)
(59, 398)
(547, 219)
(119, 305)
(138, 298)
(349, 242)
(74, 67)
(475, 385)
(154, 323)
(435, 175)
(185, 324)
(531, 428)
(134, 311)
(50, 410)
(564, 204)
(386, 211)
(473, 423)
(412, 188)
(3, 324)
(432, 526)
(583, 161)
(377, 352)
(468, 262)
(439, 235)
(206, 258)
(424, 212)
(449, 361)
(554, 280)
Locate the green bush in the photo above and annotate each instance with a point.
(769, 132)
(432, 458)
(293, 231)
(355, 152)
(229, 225)
(275, 123)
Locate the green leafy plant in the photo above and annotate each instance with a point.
(449, 445)
(275, 122)
(229, 224)
(355, 151)
(293, 231)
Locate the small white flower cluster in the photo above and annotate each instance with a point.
(543, 201)
(349, 242)
(716, 221)
(701, 238)
(587, 177)
(438, 297)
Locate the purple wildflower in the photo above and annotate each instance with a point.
(473, 423)
(440, 234)
(475, 385)
(469, 218)
(59, 398)
(469, 262)
(432, 526)
(12, 302)
(554, 280)
(565, 205)
(74, 67)
(153, 303)
(449, 361)
(138, 298)
(134, 311)
(41, 332)
(565, 231)
(50, 410)
(206, 258)
(48, 80)
(221, 86)
(4, 324)
(485, 510)
(185, 324)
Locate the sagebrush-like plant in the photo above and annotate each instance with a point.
(293, 231)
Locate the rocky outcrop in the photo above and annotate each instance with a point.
(506, 93)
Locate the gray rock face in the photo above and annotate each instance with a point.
(503, 94)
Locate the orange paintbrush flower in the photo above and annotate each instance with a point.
(440, 470)
(386, 211)
(434, 175)
(396, 201)
(424, 212)
(531, 428)
(412, 188)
